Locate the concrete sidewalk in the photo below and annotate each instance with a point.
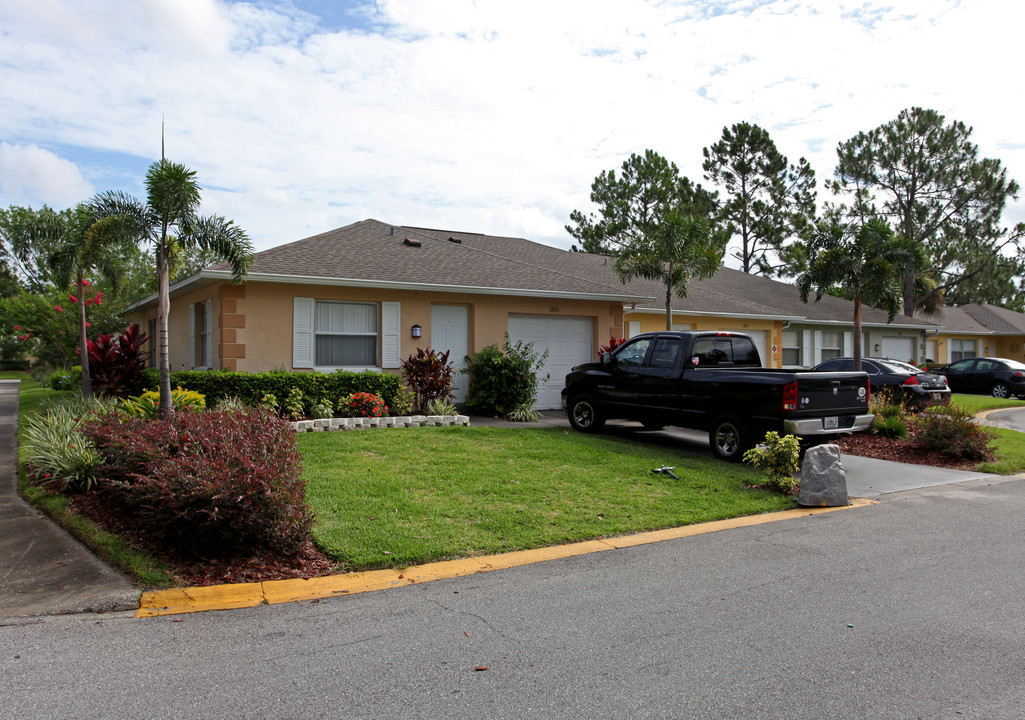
(43, 570)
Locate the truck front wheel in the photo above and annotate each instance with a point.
(729, 438)
(584, 415)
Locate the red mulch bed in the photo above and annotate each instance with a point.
(190, 570)
(903, 450)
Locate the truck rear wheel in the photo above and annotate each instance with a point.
(729, 438)
(584, 415)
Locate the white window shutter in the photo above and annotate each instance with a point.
(390, 346)
(192, 336)
(848, 344)
(806, 349)
(302, 332)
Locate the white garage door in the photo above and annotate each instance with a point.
(568, 341)
(899, 348)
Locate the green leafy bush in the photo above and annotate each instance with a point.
(270, 402)
(890, 426)
(55, 449)
(214, 483)
(252, 387)
(294, 406)
(322, 409)
(503, 379)
(953, 431)
(438, 406)
(523, 413)
(402, 403)
(429, 374)
(66, 379)
(230, 403)
(779, 458)
(148, 404)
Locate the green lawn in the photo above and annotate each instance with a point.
(978, 403)
(395, 498)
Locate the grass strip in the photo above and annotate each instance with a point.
(112, 549)
(397, 498)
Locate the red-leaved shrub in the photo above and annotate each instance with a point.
(213, 483)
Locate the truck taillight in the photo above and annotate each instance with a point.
(913, 380)
(790, 394)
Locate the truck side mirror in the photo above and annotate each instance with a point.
(606, 358)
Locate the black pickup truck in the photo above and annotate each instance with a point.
(713, 381)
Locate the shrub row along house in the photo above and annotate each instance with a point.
(365, 296)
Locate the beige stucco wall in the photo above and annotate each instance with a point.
(1005, 346)
(178, 328)
(253, 322)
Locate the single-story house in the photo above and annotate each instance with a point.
(367, 295)
(978, 330)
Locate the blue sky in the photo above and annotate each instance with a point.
(487, 115)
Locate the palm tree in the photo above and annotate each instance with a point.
(169, 221)
(680, 247)
(869, 265)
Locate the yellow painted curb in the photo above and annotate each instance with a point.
(271, 592)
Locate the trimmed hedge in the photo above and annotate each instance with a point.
(250, 388)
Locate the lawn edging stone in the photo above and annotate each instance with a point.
(361, 423)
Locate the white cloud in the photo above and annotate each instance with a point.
(30, 175)
(485, 116)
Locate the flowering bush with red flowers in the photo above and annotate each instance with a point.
(362, 404)
(40, 326)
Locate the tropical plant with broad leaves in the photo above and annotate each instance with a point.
(169, 220)
(429, 373)
(116, 365)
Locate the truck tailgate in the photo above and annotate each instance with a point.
(832, 391)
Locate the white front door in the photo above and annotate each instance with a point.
(450, 330)
(568, 341)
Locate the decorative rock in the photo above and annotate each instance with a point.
(462, 420)
(321, 423)
(304, 426)
(823, 480)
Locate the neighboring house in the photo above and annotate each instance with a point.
(365, 296)
(978, 330)
(789, 332)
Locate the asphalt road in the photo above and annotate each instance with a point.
(911, 608)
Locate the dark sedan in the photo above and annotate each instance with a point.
(920, 388)
(998, 377)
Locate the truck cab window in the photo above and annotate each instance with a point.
(666, 350)
(633, 353)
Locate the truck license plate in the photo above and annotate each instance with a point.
(831, 423)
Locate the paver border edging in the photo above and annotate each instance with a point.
(362, 423)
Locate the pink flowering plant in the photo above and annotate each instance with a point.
(362, 404)
(45, 325)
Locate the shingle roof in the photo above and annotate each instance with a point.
(999, 320)
(373, 252)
